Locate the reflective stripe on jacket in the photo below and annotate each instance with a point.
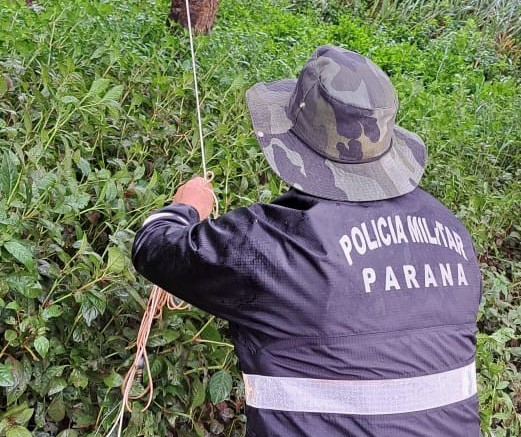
(318, 289)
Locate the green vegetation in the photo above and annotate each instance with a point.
(97, 127)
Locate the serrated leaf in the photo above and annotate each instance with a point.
(78, 379)
(113, 95)
(22, 371)
(69, 99)
(84, 166)
(111, 190)
(211, 333)
(45, 181)
(56, 386)
(162, 337)
(94, 304)
(77, 201)
(23, 417)
(117, 261)
(198, 393)
(98, 86)
(18, 431)
(113, 380)
(156, 365)
(52, 311)
(89, 312)
(13, 306)
(56, 410)
(220, 386)
(8, 174)
(20, 253)
(503, 335)
(41, 344)
(6, 376)
(25, 285)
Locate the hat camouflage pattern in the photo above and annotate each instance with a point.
(331, 133)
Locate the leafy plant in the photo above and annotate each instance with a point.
(97, 128)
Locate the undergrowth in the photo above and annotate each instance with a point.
(97, 128)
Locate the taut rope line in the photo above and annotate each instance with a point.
(196, 88)
(158, 297)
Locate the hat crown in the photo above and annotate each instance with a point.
(343, 106)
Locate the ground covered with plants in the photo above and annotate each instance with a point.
(97, 128)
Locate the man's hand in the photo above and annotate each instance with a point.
(198, 193)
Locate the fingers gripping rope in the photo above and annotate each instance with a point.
(209, 175)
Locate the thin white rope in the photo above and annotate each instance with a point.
(196, 88)
(118, 423)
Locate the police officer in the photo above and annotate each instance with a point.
(352, 298)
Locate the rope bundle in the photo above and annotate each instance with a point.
(154, 310)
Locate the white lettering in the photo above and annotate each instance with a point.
(446, 275)
(410, 276)
(345, 244)
(375, 231)
(430, 280)
(439, 232)
(358, 240)
(432, 239)
(371, 245)
(400, 233)
(452, 243)
(369, 276)
(462, 280)
(390, 279)
(391, 229)
(386, 239)
(385, 231)
(414, 229)
(459, 244)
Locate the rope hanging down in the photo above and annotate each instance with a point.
(158, 297)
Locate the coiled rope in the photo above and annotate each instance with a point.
(158, 297)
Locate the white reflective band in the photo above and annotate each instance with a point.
(366, 397)
(159, 215)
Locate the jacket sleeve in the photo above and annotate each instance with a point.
(204, 263)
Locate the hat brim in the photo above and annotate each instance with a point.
(395, 173)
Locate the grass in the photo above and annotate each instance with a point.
(97, 128)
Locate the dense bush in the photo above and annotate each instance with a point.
(98, 126)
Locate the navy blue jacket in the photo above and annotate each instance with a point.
(315, 288)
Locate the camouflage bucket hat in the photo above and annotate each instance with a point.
(332, 132)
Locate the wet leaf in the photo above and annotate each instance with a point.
(98, 87)
(8, 174)
(198, 393)
(23, 417)
(117, 260)
(113, 380)
(41, 344)
(56, 386)
(6, 376)
(52, 311)
(220, 386)
(21, 253)
(56, 410)
(18, 431)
